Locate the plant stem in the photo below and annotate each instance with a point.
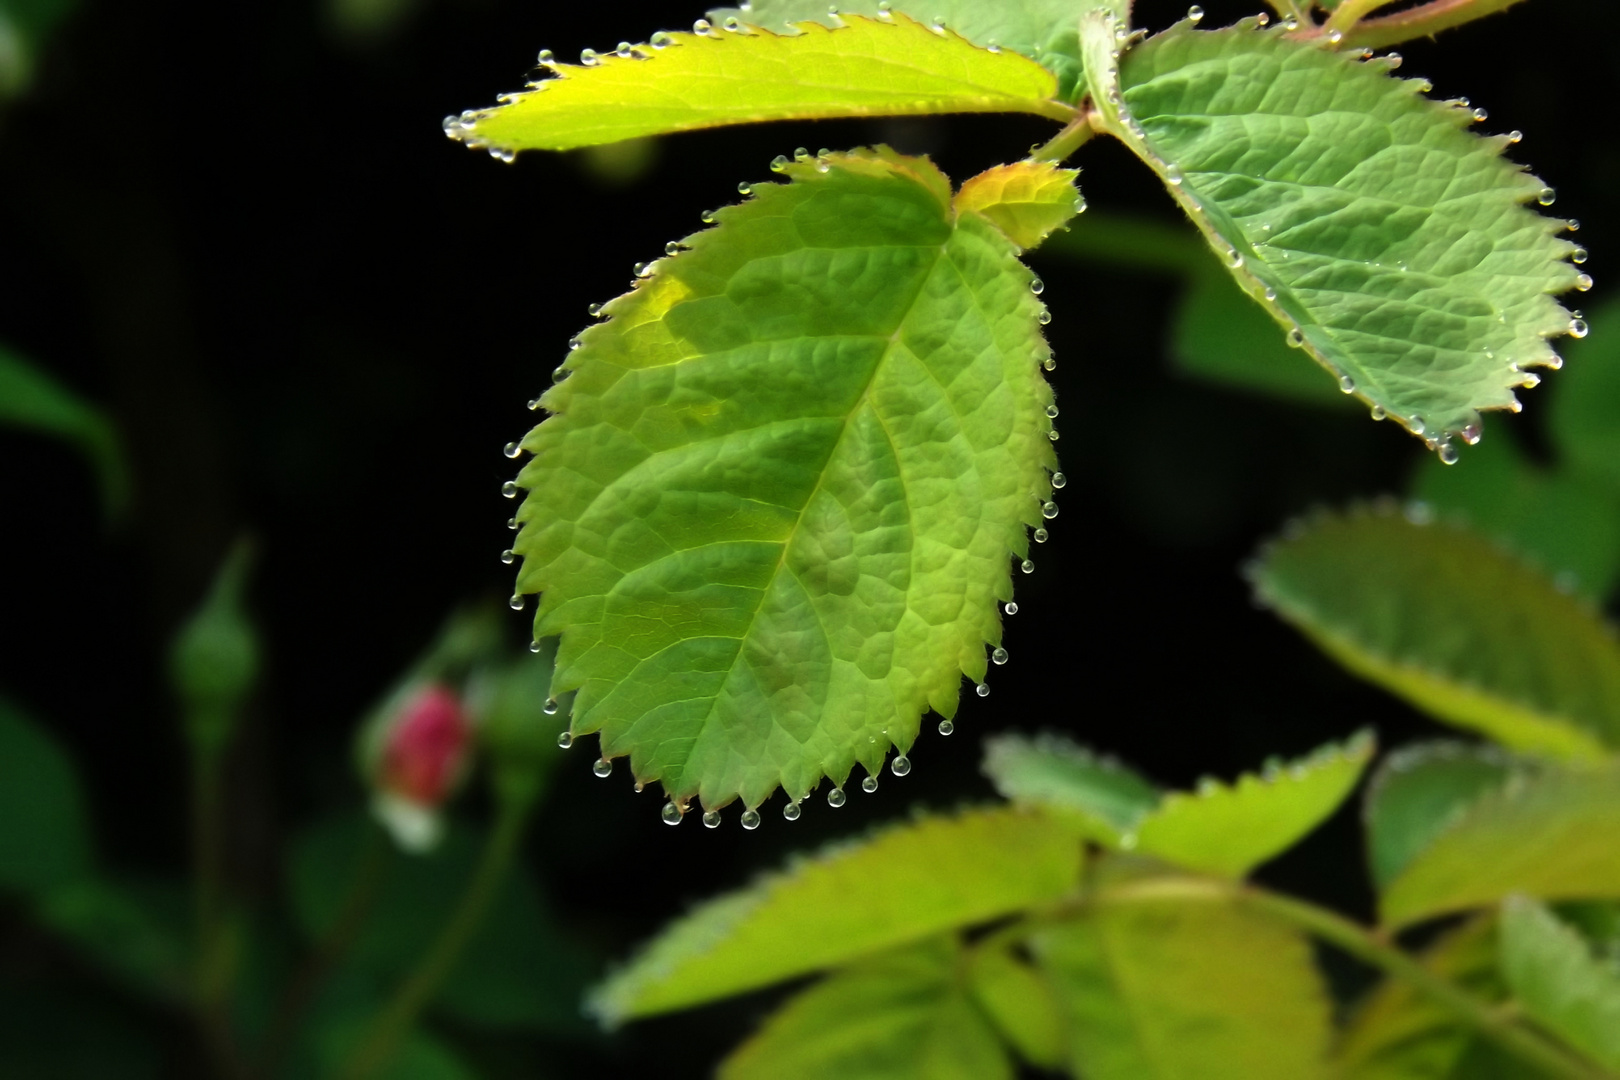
(1425, 20)
(1347, 14)
(1299, 11)
(399, 1015)
(1074, 135)
(211, 962)
(1370, 948)
(357, 904)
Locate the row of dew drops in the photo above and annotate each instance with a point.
(1440, 442)
(672, 813)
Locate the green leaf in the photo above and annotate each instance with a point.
(1027, 200)
(32, 400)
(1550, 834)
(1446, 620)
(1046, 31)
(1368, 221)
(1225, 829)
(518, 971)
(1564, 521)
(45, 842)
(1164, 987)
(1052, 771)
(1421, 791)
(1230, 829)
(902, 1016)
(1558, 982)
(515, 728)
(139, 933)
(1400, 1033)
(683, 82)
(904, 884)
(214, 660)
(1021, 1005)
(785, 481)
(1584, 421)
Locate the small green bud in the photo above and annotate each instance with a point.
(214, 659)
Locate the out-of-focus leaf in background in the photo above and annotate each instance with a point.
(32, 400)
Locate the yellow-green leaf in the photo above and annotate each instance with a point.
(902, 885)
(1559, 982)
(1027, 199)
(1453, 624)
(686, 81)
(1021, 1004)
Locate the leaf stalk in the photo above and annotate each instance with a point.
(1425, 20)
(1074, 135)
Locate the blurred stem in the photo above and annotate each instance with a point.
(1074, 135)
(356, 906)
(211, 974)
(399, 1015)
(1371, 948)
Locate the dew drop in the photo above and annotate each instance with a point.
(595, 310)
(1195, 13)
(1234, 258)
(512, 450)
(983, 690)
(672, 813)
(1290, 23)
(733, 24)
(1547, 196)
(1470, 434)
(1172, 173)
(1578, 256)
(508, 556)
(1059, 480)
(660, 40)
(511, 523)
(547, 56)
(1271, 294)
(999, 656)
(603, 767)
(1027, 567)
(836, 798)
(745, 188)
(1572, 225)
(1010, 607)
(1515, 137)
(672, 248)
(1051, 412)
(869, 785)
(701, 27)
(1049, 364)
(639, 270)
(588, 57)
(535, 646)
(1378, 412)
(510, 489)
(516, 603)
(946, 727)
(1347, 384)
(1447, 453)
(1053, 435)
(708, 217)
(779, 163)
(1583, 283)
(1044, 317)
(1335, 36)
(1578, 328)
(791, 811)
(623, 51)
(534, 403)
(711, 819)
(1416, 425)
(566, 739)
(1049, 510)
(1296, 338)
(750, 820)
(1037, 286)
(900, 766)
(1480, 116)
(1041, 536)
(550, 709)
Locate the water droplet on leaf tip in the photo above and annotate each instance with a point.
(779, 162)
(672, 814)
(547, 56)
(750, 820)
(550, 709)
(508, 556)
(1271, 294)
(1296, 338)
(1051, 412)
(1335, 36)
(1378, 412)
(1480, 116)
(588, 57)
(701, 27)
(999, 656)
(1010, 607)
(1578, 256)
(535, 646)
(708, 217)
(1547, 196)
(534, 403)
(836, 797)
(1583, 283)
(594, 310)
(801, 154)
(516, 603)
(1416, 425)
(711, 819)
(1041, 536)
(791, 811)
(983, 690)
(1037, 286)
(745, 188)
(623, 51)
(1572, 225)
(946, 727)
(1447, 453)
(900, 766)
(1049, 364)
(1195, 13)
(869, 785)
(566, 739)
(660, 40)
(1049, 510)
(603, 767)
(733, 24)
(1053, 435)
(1578, 328)
(1027, 567)
(509, 489)
(1347, 384)
(1470, 434)
(1044, 317)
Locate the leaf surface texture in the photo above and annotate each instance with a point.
(1559, 982)
(785, 482)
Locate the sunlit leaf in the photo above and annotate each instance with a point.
(904, 884)
(1391, 242)
(1163, 987)
(1563, 520)
(901, 1016)
(1229, 829)
(1550, 834)
(1021, 1004)
(686, 81)
(1421, 791)
(1558, 982)
(1027, 199)
(1448, 621)
(45, 839)
(1052, 771)
(787, 482)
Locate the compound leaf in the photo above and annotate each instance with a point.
(1392, 243)
(682, 82)
(1549, 834)
(904, 884)
(1053, 771)
(902, 1016)
(1162, 987)
(1448, 621)
(1229, 829)
(1046, 31)
(778, 501)
(1421, 791)
(1558, 982)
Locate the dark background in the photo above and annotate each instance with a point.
(316, 321)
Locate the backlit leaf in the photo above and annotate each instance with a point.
(1448, 621)
(1052, 771)
(1421, 791)
(1550, 835)
(786, 482)
(1162, 987)
(901, 1016)
(902, 885)
(1388, 239)
(1229, 829)
(1558, 982)
(685, 81)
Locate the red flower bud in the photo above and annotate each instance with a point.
(426, 748)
